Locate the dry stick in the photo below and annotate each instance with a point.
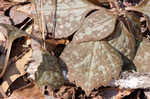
(43, 24)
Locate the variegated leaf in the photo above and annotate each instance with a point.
(91, 64)
(142, 58)
(97, 26)
(69, 15)
(134, 25)
(123, 41)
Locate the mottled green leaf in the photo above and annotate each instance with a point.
(91, 64)
(142, 58)
(49, 72)
(96, 26)
(69, 15)
(123, 41)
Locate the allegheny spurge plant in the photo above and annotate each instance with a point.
(105, 39)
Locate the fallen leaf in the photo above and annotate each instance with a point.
(114, 93)
(15, 70)
(17, 16)
(30, 92)
(144, 7)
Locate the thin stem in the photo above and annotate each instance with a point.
(54, 19)
(6, 58)
(43, 24)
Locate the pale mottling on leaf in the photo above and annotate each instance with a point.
(142, 58)
(69, 15)
(96, 26)
(123, 41)
(90, 64)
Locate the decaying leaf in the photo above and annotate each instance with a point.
(91, 64)
(144, 7)
(29, 92)
(15, 70)
(17, 16)
(96, 26)
(123, 41)
(68, 16)
(49, 72)
(142, 58)
(3, 31)
(13, 33)
(97, 2)
(115, 93)
(4, 19)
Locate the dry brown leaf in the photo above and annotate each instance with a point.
(15, 70)
(30, 92)
(18, 16)
(144, 8)
(114, 93)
